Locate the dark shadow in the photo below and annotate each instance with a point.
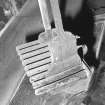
(2, 16)
(32, 36)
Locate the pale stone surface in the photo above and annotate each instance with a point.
(14, 33)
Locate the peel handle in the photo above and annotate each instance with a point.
(44, 14)
(57, 17)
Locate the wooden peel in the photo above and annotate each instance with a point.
(50, 63)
